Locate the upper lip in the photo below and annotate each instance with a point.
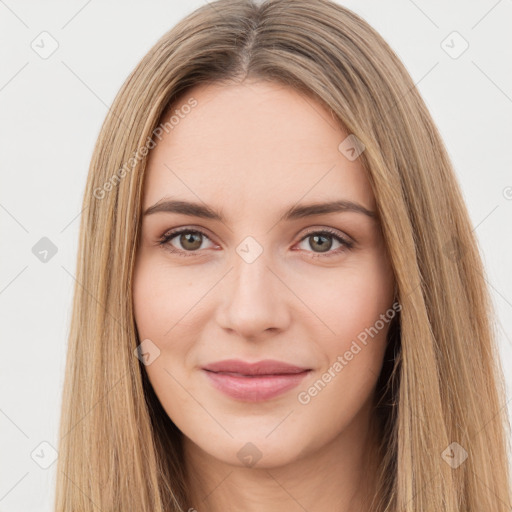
(265, 367)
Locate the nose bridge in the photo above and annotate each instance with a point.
(254, 299)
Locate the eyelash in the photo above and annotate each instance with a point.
(166, 238)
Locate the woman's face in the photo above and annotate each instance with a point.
(258, 274)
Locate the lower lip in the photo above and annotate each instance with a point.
(255, 389)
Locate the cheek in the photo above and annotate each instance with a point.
(349, 299)
(161, 295)
(157, 309)
(163, 300)
(358, 314)
(354, 304)
(148, 299)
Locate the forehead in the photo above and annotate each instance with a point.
(252, 145)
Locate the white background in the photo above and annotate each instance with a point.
(50, 114)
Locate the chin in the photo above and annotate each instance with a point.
(256, 449)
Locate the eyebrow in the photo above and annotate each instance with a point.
(293, 213)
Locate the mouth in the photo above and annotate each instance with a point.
(254, 382)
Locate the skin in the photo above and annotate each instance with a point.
(251, 151)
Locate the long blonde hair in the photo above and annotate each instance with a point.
(442, 381)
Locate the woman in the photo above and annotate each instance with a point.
(281, 305)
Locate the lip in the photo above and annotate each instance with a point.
(253, 382)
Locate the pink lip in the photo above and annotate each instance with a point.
(254, 382)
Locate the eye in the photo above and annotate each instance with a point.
(190, 240)
(323, 241)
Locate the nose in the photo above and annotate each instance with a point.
(255, 301)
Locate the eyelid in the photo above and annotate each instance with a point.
(331, 231)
